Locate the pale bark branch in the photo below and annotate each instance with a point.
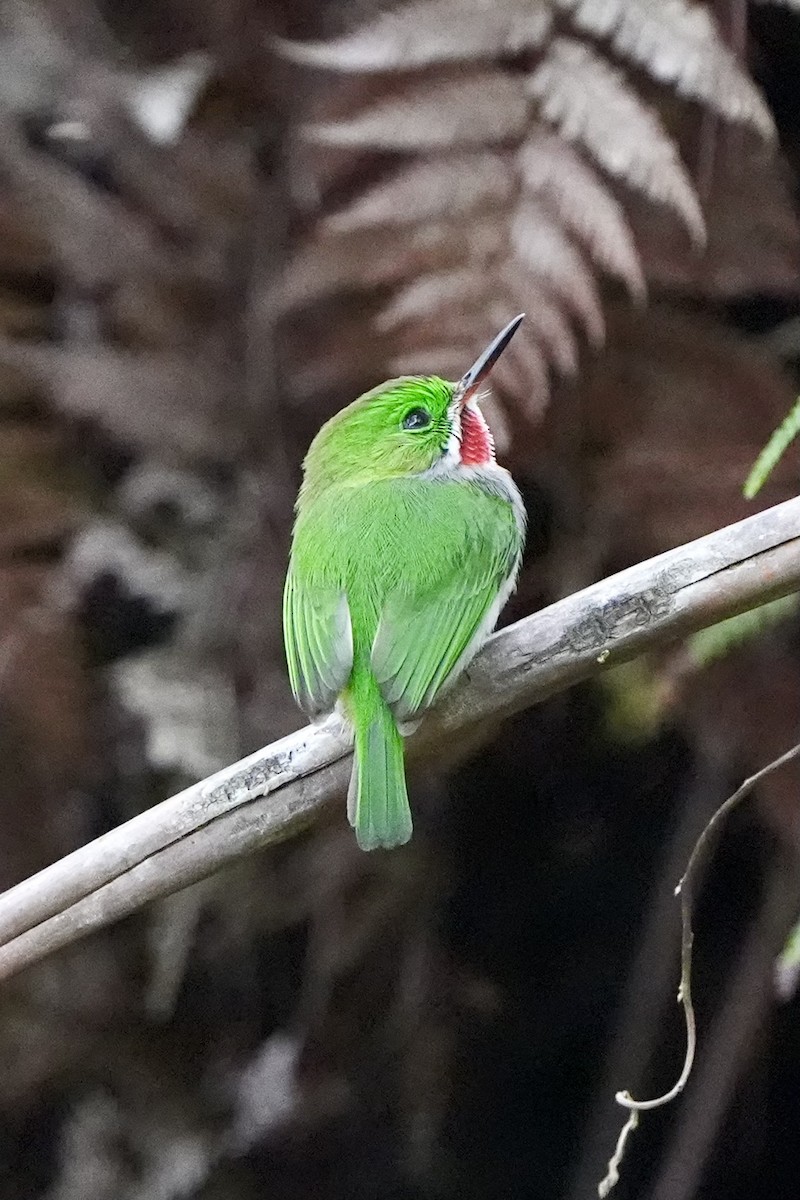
(270, 795)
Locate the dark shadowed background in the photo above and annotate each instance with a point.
(210, 240)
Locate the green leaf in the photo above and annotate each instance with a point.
(774, 450)
(788, 964)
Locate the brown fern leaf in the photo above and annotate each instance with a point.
(550, 255)
(460, 321)
(556, 276)
(422, 303)
(489, 207)
(467, 319)
(460, 325)
(425, 298)
(478, 109)
(524, 381)
(430, 189)
(420, 35)
(460, 306)
(544, 317)
(592, 103)
(676, 42)
(442, 359)
(331, 262)
(552, 171)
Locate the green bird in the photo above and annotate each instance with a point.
(406, 545)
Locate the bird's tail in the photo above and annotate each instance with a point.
(377, 801)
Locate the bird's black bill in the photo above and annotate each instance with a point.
(483, 365)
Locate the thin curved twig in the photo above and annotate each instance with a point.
(685, 891)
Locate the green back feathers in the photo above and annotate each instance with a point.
(367, 441)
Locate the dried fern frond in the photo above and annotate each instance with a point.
(529, 259)
(592, 103)
(421, 35)
(478, 109)
(138, 397)
(545, 320)
(431, 189)
(551, 170)
(542, 244)
(440, 359)
(361, 258)
(677, 43)
(524, 379)
(497, 198)
(425, 298)
(423, 302)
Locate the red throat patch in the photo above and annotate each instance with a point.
(477, 448)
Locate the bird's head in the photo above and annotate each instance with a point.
(408, 426)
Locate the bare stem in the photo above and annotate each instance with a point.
(685, 890)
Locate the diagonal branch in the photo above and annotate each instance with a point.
(272, 794)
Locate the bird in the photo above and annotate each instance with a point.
(407, 542)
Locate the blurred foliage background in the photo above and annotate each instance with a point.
(219, 221)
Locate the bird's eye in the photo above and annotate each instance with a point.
(416, 419)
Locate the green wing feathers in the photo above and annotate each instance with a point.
(423, 640)
(319, 642)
